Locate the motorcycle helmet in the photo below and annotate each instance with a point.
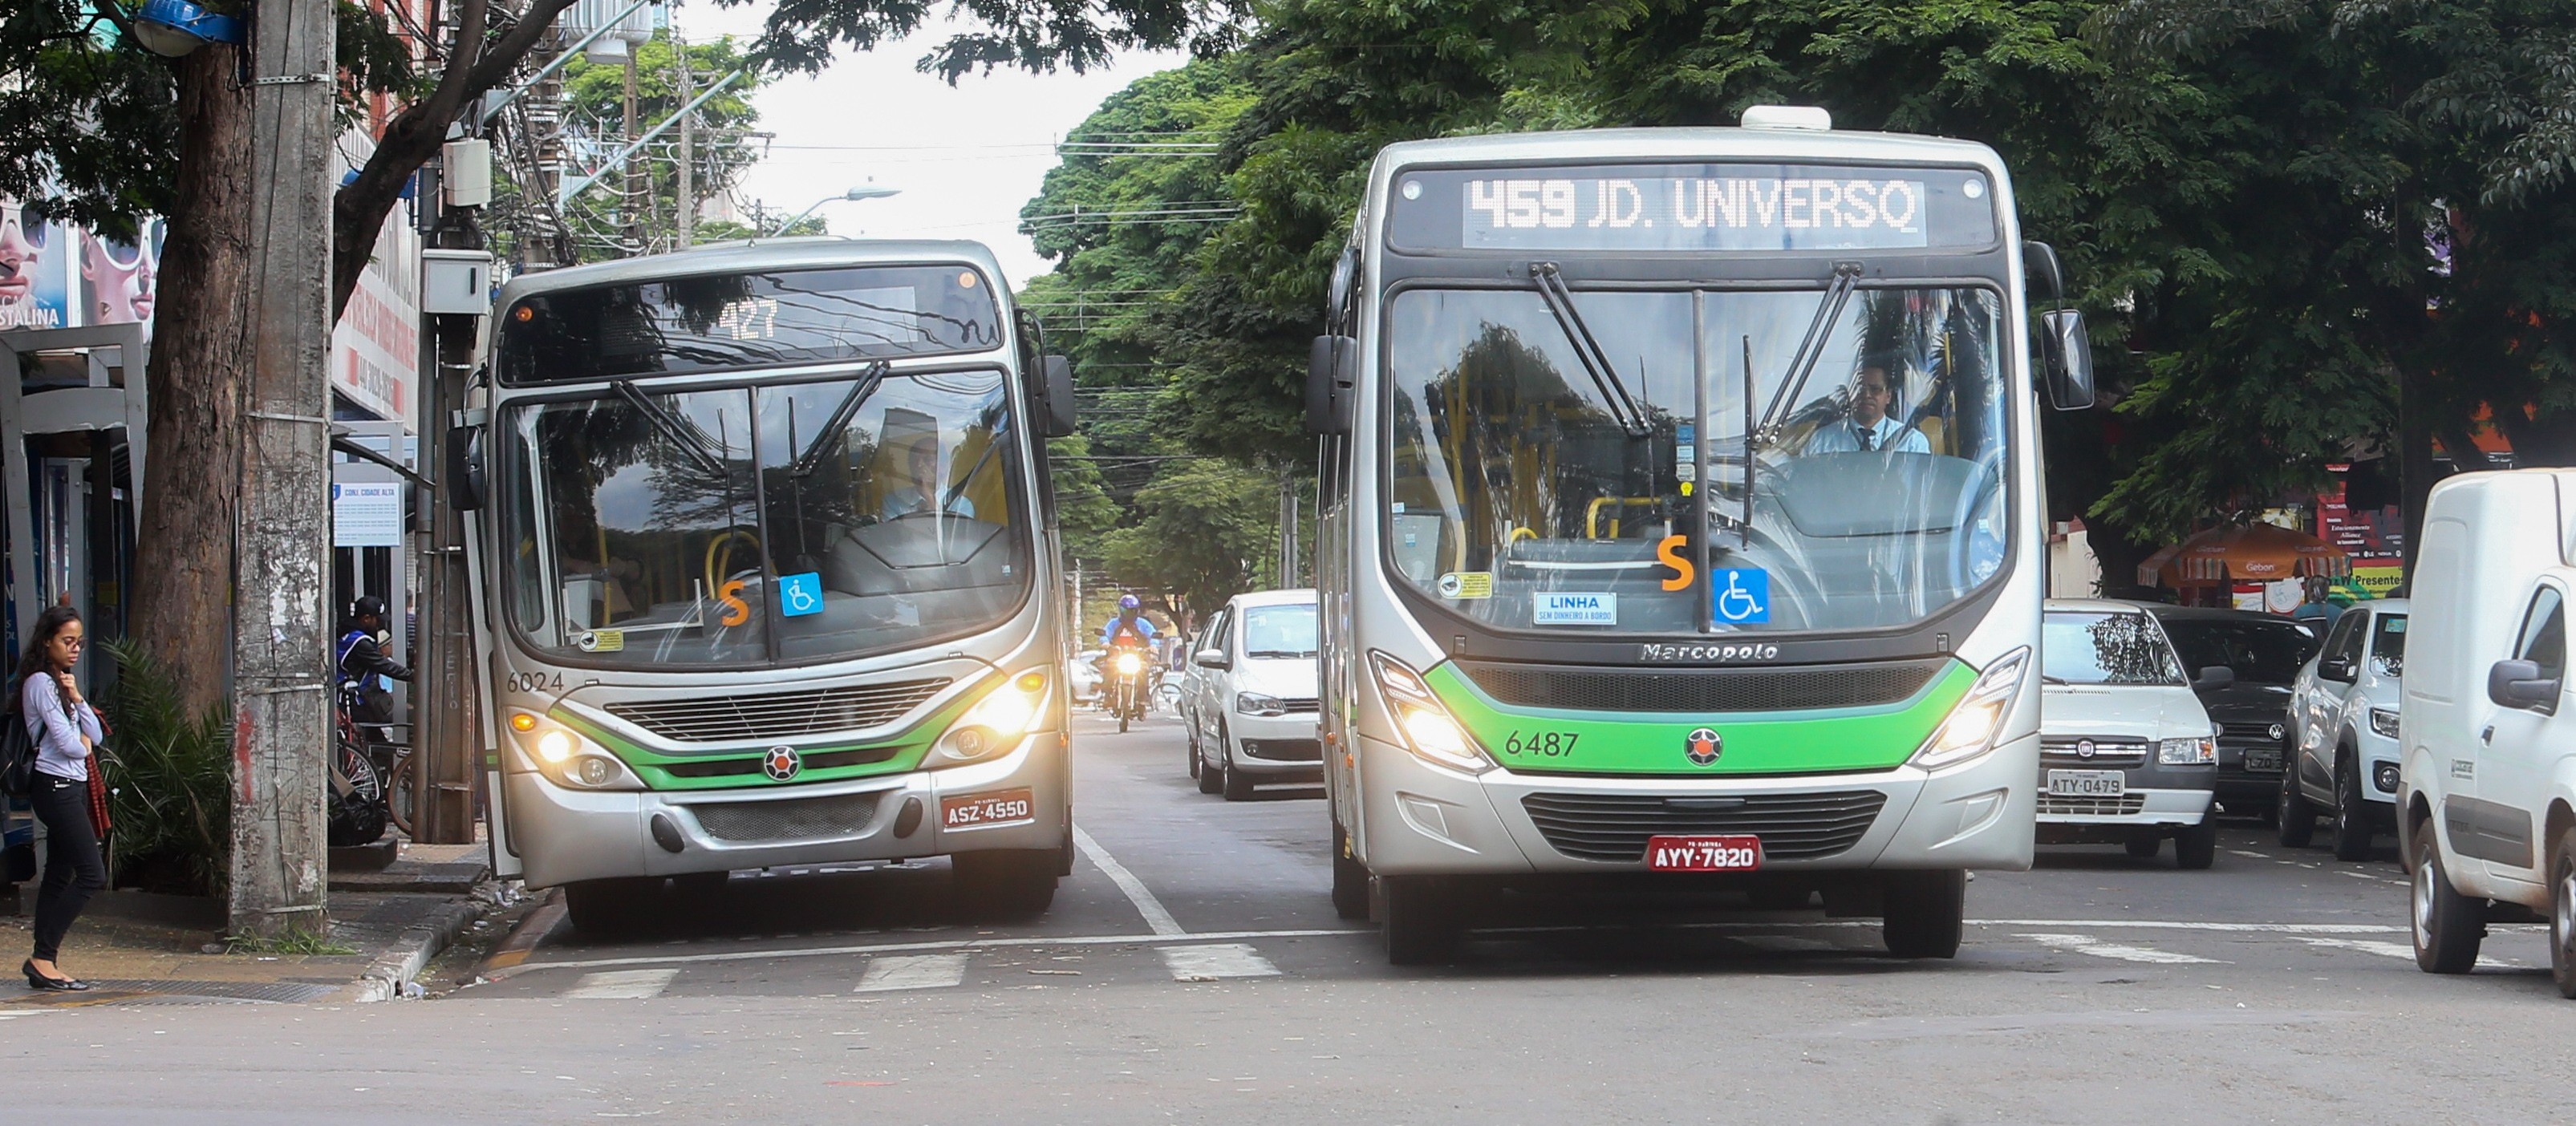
(1128, 602)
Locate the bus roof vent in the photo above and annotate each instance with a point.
(1788, 117)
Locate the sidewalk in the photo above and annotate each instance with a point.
(139, 948)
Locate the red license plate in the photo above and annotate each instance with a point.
(1703, 854)
(1001, 807)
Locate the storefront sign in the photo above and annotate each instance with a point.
(366, 515)
(375, 349)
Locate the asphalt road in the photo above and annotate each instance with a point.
(1193, 970)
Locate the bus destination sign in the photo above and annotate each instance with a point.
(1741, 208)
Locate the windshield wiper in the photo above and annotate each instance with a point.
(1596, 363)
(1802, 364)
(870, 378)
(690, 439)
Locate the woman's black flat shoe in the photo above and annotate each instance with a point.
(39, 981)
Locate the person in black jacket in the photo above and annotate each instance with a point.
(362, 656)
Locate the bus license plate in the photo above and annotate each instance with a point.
(2086, 784)
(974, 811)
(1703, 854)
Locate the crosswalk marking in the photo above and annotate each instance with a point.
(1216, 960)
(2394, 950)
(2085, 944)
(622, 985)
(920, 971)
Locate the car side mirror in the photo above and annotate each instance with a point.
(2336, 668)
(1212, 659)
(464, 480)
(1331, 363)
(1059, 396)
(2212, 678)
(2518, 684)
(2068, 355)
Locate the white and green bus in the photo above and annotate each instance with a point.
(1680, 524)
(766, 572)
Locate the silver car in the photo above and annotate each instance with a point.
(2345, 707)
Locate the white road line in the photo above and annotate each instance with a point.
(622, 985)
(2224, 928)
(1216, 960)
(910, 947)
(2393, 950)
(1156, 918)
(2085, 944)
(919, 971)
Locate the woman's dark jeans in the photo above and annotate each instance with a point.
(73, 869)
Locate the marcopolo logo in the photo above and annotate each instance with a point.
(781, 763)
(1659, 651)
(1703, 746)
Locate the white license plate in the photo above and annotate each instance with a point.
(2086, 784)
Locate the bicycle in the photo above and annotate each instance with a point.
(372, 779)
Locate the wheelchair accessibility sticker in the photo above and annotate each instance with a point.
(799, 595)
(1741, 595)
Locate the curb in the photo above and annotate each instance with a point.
(384, 978)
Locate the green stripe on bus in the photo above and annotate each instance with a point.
(910, 747)
(1809, 740)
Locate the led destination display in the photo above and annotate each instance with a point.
(1695, 208)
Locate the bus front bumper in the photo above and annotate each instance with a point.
(564, 835)
(1422, 819)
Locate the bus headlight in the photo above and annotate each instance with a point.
(997, 722)
(2187, 752)
(568, 759)
(1972, 726)
(1428, 728)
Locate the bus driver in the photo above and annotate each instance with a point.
(1869, 426)
(919, 491)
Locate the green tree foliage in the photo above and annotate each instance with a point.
(595, 96)
(1203, 533)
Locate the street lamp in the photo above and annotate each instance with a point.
(863, 191)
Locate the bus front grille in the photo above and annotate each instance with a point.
(845, 815)
(1793, 826)
(777, 715)
(1702, 690)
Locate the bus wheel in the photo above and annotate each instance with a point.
(1419, 917)
(1350, 877)
(1005, 884)
(608, 908)
(1924, 913)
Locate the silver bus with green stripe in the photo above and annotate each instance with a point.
(1680, 525)
(766, 571)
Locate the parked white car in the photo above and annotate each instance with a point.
(1256, 710)
(1185, 706)
(2345, 706)
(2127, 755)
(2486, 793)
(1085, 676)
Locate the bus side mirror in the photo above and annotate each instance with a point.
(465, 468)
(2068, 355)
(1330, 362)
(2043, 277)
(1059, 396)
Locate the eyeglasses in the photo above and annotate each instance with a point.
(125, 256)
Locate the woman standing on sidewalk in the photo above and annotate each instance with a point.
(66, 732)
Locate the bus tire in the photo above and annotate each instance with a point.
(2196, 848)
(609, 908)
(2351, 814)
(2298, 818)
(1417, 916)
(1350, 878)
(1924, 914)
(2446, 926)
(1007, 884)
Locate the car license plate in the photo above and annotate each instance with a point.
(975, 811)
(2263, 758)
(2086, 784)
(1703, 854)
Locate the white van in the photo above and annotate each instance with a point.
(2486, 792)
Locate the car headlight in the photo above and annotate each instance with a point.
(568, 758)
(997, 722)
(1129, 664)
(1424, 722)
(2383, 722)
(2187, 752)
(1254, 703)
(1978, 718)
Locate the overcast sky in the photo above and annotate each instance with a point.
(965, 158)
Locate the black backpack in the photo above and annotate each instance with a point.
(17, 753)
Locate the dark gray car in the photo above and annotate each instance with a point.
(2252, 712)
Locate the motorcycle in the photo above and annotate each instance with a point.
(1126, 688)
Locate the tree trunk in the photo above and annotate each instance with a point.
(200, 359)
(2414, 458)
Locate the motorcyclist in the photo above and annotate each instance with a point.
(362, 658)
(1130, 631)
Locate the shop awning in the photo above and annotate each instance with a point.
(2251, 552)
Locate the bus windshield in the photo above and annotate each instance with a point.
(1519, 497)
(771, 525)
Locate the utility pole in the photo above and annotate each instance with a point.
(688, 188)
(630, 212)
(1287, 529)
(282, 534)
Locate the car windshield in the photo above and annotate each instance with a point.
(2105, 648)
(1520, 496)
(749, 526)
(2388, 643)
(1279, 631)
(2258, 652)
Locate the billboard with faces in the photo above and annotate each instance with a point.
(35, 274)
